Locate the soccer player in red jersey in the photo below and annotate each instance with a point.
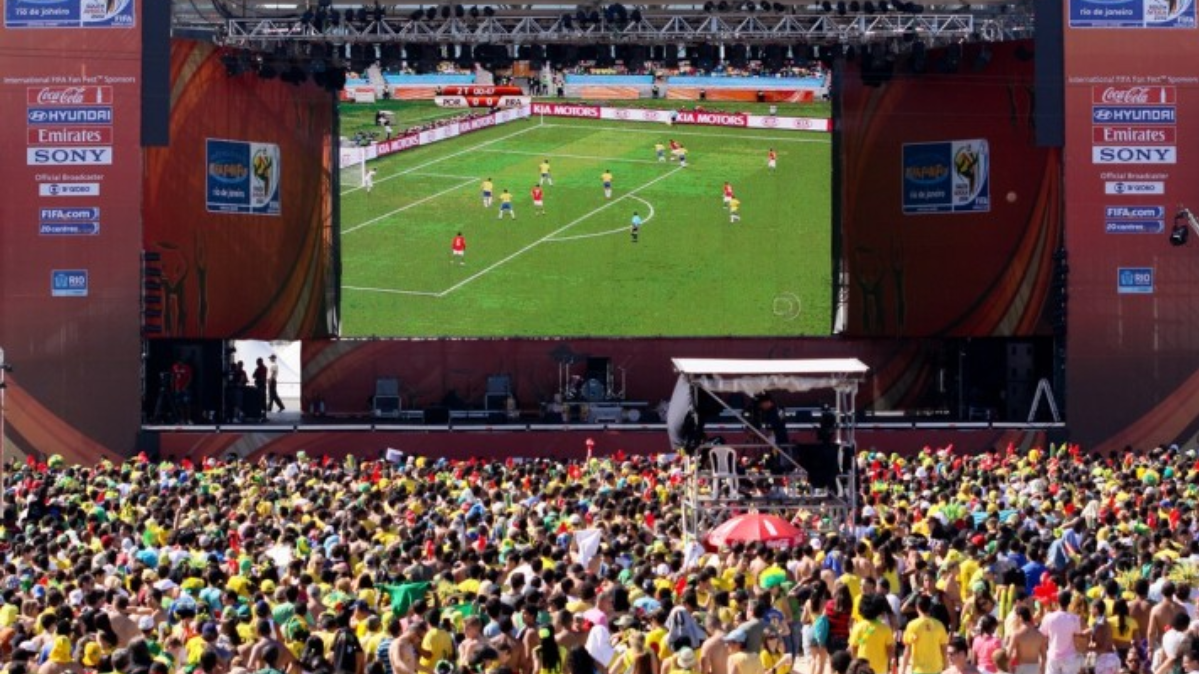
(772, 158)
(728, 194)
(538, 199)
(458, 249)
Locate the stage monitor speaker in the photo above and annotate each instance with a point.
(437, 416)
(820, 460)
(386, 407)
(496, 402)
(499, 384)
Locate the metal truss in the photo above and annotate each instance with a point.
(811, 28)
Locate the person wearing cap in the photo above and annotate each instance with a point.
(741, 661)
(684, 662)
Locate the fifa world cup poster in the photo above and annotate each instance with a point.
(947, 177)
(243, 177)
(70, 14)
(1132, 13)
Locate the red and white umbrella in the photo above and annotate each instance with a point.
(774, 531)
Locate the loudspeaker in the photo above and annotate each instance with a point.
(387, 407)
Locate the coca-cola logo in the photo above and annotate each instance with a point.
(69, 95)
(1134, 95)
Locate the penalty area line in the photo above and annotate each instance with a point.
(578, 237)
(401, 209)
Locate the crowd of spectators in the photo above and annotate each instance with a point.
(1040, 562)
(661, 71)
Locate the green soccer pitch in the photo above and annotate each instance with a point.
(575, 271)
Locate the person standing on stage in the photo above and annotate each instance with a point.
(273, 384)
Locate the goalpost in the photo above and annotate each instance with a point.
(353, 167)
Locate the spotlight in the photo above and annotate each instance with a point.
(766, 5)
(883, 7)
(431, 13)
(379, 12)
(489, 11)
(363, 15)
(445, 11)
(474, 12)
(635, 16)
(826, 6)
(723, 6)
(855, 7)
(869, 7)
(841, 8)
(779, 8)
(308, 16)
(459, 11)
(233, 65)
(1179, 235)
(334, 17)
(709, 6)
(417, 15)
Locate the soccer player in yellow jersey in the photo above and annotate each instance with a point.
(607, 178)
(545, 173)
(660, 149)
(487, 188)
(734, 210)
(506, 205)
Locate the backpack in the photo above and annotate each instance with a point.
(345, 651)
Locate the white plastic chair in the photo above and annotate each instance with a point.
(724, 471)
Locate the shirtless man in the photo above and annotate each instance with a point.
(472, 632)
(1100, 637)
(958, 653)
(1027, 647)
(1139, 611)
(1011, 624)
(1162, 616)
(714, 654)
(404, 653)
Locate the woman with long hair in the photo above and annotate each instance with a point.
(548, 657)
(816, 644)
(839, 611)
(1124, 628)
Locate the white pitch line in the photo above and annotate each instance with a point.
(472, 148)
(392, 291)
(554, 233)
(672, 132)
(401, 209)
(573, 156)
(446, 175)
(578, 237)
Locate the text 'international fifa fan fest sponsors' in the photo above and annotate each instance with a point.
(70, 14)
(242, 177)
(947, 177)
(1132, 13)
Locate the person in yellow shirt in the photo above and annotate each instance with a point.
(437, 644)
(924, 639)
(734, 208)
(660, 150)
(607, 180)
(506, 205)
(488, 187)
(774, 657)
(871, 639)
(546, 178)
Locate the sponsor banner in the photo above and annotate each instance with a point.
(242, 177)
(68, 156)
(68, 228)
(68, 283)
(91, 114)
(1134, 154)
(1132, 13)
(1134, 226)
(1134, 280)
(70, 214)
(69, 95)
(947, 177)
(70, 14)
(1140, 135)
(1134, 114)
(712, 118)
(684, 117)
(1134, 187)
(68, 189)
(1134, 95)
(69, 135)
(449, 131)
(1135, 212)
(561, 110)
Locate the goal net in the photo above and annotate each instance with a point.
(353, 167)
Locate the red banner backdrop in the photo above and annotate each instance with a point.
(70, 237)
(1133, 319)
(238, 274)
(978, 273)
